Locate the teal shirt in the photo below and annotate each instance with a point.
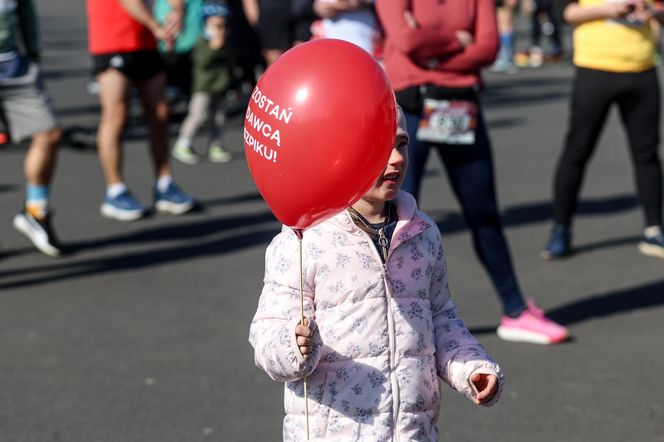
(18, 15)
(191, 28)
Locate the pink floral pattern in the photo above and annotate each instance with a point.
(384, 333)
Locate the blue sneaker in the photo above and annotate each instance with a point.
(559, 243)
(123, 207)
(173, 201)
(652, 245)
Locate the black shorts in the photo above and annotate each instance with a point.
(275, 26)
(138, 66)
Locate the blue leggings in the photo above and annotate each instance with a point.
(470, 172)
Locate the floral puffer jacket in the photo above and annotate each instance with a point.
(384, 333)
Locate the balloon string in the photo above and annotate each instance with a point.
(306, 401)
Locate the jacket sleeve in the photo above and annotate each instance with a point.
(422, 43)
(482, 52)
(458, 353)
(272, 332)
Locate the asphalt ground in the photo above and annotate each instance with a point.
(141, 334)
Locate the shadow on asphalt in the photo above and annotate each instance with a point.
(600, 306)
(266, 227)
(453, 222)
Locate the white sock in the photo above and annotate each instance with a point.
(116, 189)
(163, 182)
(652, 231)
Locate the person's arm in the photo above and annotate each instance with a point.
(141, 13)
(419, 43)
(483, 49)
(461, 360)
(576, 14)
(273, 329)
(251, 11)
(27, 19)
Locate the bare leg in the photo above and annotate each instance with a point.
(113, 88)
(155, 108)
(40, 160)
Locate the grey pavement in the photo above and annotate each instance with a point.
(141, 334)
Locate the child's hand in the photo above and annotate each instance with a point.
(485, 387)
(304, 338)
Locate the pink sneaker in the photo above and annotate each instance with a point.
(532, 326)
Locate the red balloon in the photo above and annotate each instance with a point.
(318, 131)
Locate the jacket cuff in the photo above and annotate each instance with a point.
(485, 367)
(304, 367)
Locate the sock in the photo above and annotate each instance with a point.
(113, 190)
(36, 200)
(652, 231)
(163, 182)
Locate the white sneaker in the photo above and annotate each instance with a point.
(39, 232)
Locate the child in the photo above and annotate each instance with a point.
(381, 329)
(212, 80)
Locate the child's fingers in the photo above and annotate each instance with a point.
(301, 330)
(303, 341)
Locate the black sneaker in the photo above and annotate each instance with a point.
(652, 245)
(40, 232)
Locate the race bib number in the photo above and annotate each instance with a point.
(448, 121)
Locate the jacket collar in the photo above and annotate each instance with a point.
(409, 223)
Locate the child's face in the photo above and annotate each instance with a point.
(389, 181)
(215, 26)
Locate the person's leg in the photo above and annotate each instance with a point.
(118, 203)
(640, 113)
(418, 153)
(470, 171)
(29, 114)
(155, 109)
(592, 95)
(217, 153)
(113, 89)
(168, 197)
(197, 115)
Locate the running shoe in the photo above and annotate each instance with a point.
(218, 154)
(532, 326)
(173, 201)
(185, 154)
(40, 232)
(652, 245)
(123, 207)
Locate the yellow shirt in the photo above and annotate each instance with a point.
(613, 45)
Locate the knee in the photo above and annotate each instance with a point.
(49, 138)
(114, 116)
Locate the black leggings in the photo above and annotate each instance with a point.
(637, 96)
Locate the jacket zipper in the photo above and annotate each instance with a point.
(382, 240)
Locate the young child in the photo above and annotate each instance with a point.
(212, 75)
(381, 328)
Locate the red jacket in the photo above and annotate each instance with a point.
(431, 53)
(111, 29)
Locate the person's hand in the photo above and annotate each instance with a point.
(465, 38)
(330, 8)
(304, 337)
(173, 23)
(618, 10)
(485, 387)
